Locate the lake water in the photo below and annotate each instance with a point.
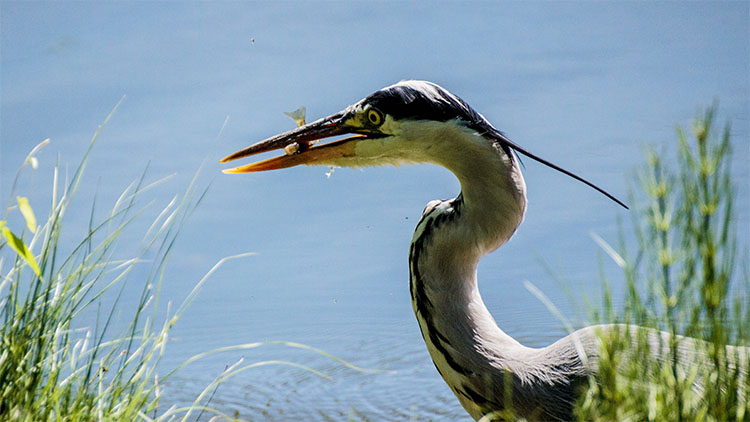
(584, 85)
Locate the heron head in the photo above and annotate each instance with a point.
(409, 122)
(406, 123)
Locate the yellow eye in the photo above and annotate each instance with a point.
(374, 117)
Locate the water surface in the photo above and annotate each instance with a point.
(584, 85)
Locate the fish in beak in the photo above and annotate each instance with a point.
(300, 147)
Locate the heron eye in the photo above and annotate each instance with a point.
(374, 117)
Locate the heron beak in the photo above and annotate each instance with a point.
(299, 146)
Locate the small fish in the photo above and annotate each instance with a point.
(297, 115)
(291, 148)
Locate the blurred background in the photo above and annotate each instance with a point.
(585, 85)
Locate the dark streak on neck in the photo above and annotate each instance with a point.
(419, 296)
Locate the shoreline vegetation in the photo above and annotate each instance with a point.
(55, 362)
(684, 277)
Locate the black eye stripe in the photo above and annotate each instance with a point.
(427, 101)
(417, 103)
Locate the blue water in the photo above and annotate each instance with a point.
(585, 85)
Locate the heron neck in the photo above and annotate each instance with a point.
(449, 241)
(494, 194)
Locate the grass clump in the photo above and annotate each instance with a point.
(685, 279)
(69, 350)
(53, 364)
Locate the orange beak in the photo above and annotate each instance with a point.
(299, 146)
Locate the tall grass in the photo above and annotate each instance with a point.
(54, 366)
(686, 278)
(51, 366)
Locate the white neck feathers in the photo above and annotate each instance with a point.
(447, 245)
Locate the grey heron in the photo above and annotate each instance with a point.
(420, 122)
